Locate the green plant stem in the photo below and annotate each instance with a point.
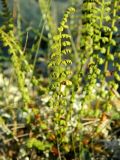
(59, 153)
(38, 46)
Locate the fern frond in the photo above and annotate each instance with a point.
(17, 59)
(61, 40)
(59, 75)
(7, 16)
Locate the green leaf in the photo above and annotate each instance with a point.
(33, 142)
(43, 126)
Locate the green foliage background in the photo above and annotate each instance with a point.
(59, 78)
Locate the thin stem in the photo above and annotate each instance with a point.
(59, 153)
(37, 51)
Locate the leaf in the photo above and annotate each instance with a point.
(66, 43)
(65, 51)
(66, 36)
(51, 137)
(43, 126)
(57, 38)
(33, 142)
(66, 147)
